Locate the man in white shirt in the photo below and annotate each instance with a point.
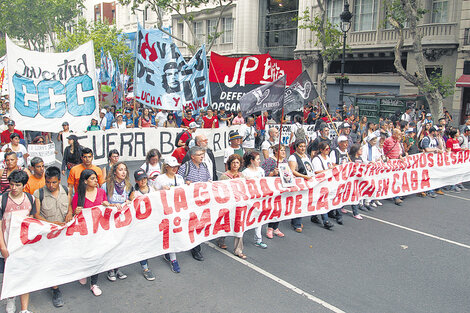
(162, 116)
(248, 132)
(407, 115)
(271, 141)
(103, 120)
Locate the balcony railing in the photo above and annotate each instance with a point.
(441, 33)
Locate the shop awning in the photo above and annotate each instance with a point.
(463, 81)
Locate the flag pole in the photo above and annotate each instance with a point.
(280, 136)
(334, 126)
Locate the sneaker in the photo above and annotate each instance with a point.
(148, 274)
(120, 275)
(398, 201)
(378, 202)
(25, 311)
(278, 233)
(315, 219)
(358, 217)
(298, 229)
(82, 281)
(57, 300)
(11, 305)
(440, 192)
(261, 245)
(432, 194)
(269, 233)
(174, 266)
(339, 221)
(328, 225)
(422, 194)
(167, 257)
(344, 211)
(111, 275)
(362, 208)
(373, 204)
(462, 187)
(95, 290)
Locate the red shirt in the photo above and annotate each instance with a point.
(5, 136)
(179, 154)
(100, 198)
(453, 145)
(186, 122)
(261, 122)
(207, 122)
(185, 136)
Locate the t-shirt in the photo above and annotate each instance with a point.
(24, 208)
(229, 151)
(34, 184)
(307, 164)
(321, 164)
(249, 173)
(75, 172)
(119, 126)
(54, 209)
(5, 136)
(186, 122)
(220, 117)
(339, 157)
(248, 136)
(152, 170)
(165, 181)
(161, 118)
(116, 197)
(179, 154)
(185, 136)
(428, 142)
(208, 122)
(92, 127)
(100, 198)
(266, 145)
(238, 120)
(453, 145)
(20, 153)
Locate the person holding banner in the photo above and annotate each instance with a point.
(267, 145)
(270, 167)
(18, 148)
(238, 120)
(119, 191)
(248, 132)
(113, 158)
(152, 166)
(119, 123)
(18, 202)
(210, 120)
(145, 121)
(170, 178)
(253, 170)
(234, 164)
(187, 119)
(322, 163)
(93, 125)
(89, 195)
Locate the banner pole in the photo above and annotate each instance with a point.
(280, 133)
(334, 126)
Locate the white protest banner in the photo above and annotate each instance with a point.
(309, 132)
(134, 143)
(45, 152)
(3, 75)
(47, 89)
(99, 238)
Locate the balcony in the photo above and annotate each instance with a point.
(432, 34)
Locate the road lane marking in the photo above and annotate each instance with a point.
(416, 231)
(453, 196)
(277, 279)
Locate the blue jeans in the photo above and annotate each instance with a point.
(296, 222)
(354, 208)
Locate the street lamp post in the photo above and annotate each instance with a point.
(345, 16)
(143, 16)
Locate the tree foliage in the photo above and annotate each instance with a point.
(185, 10)
(35, 21)
(104, 36)
(328, 38)
(406, 14)
(3, 47)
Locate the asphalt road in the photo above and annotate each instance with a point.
(410, 258)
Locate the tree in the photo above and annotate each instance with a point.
(35, 21)
(405, 14)
(104, 36)
(185, 10)
(3, 47)
(328, 39)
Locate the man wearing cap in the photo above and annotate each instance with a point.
(344, 130)
(187, 134)
(119, 123)
(235, 146)
(430, 144)
(103, 121)
(187, 119)
(463, 138)
(248, 133)
(428, 119)
(64, 133)
(5, 118)
(128, 119)
(339, 155)
(266, 146)
(5, 136)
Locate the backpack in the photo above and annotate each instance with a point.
(5, 200)
(41, 193)
(420, 144)
(300, 133)
(178, 137)
(186, 170)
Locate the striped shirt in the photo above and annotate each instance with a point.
(194, 174)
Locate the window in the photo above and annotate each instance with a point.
(439, 11)
(180, 30)
(227, 29)
(199, 31)
(334, 10)
(211, 30)
(365, 15)
(466, 67)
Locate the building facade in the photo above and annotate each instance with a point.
(260, 26)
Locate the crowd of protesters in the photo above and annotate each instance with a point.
(253, 152)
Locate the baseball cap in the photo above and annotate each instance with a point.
(65, 124)
(371, 137)
(342, 138)
(233, 134)
(410, 130)
(428, 115)
(193, 125)
(11, 122)
(345, 125)
(435, 128)
(140, 174)
(103, 111)
(171, 161)
(128, 111)
(6, 115)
